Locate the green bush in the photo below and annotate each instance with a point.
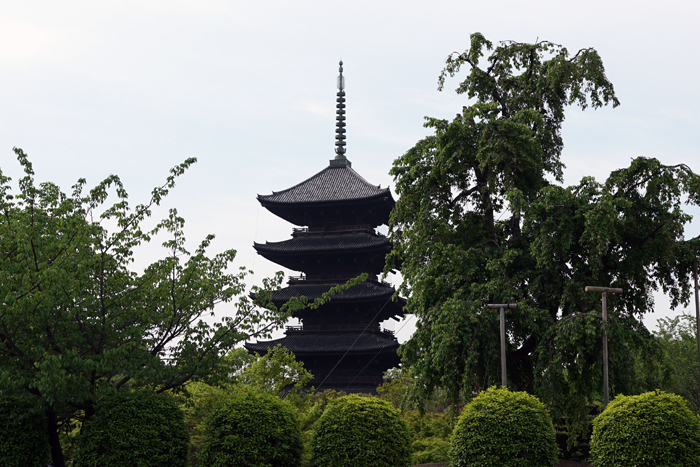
(655, 429)
(23, 438)
(356, 431)
(138, 429)
(252, 430)
(501, 428)
(430, 436)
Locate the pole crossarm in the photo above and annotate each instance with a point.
(591, 288)
(496, 306)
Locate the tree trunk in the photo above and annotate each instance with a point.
(54, 440)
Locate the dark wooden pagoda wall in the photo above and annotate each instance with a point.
(325, 340)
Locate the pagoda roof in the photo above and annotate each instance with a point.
(361, 291)
(323, 243)
(332, 184)
(327, 344)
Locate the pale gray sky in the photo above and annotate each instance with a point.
(248, 87)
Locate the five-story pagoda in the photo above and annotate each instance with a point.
(337, 212)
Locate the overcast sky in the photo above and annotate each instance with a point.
(133, 88)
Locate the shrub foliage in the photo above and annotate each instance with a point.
(356, 431)
(138, 429)
(23, 438)
(500, 428)
(655, 429)
(252, 430)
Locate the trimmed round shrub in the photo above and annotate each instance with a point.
(23, 438)
(252, 430)
(655, 429)
(501, 428)
(356, 431)
(138, 429)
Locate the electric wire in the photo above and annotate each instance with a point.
(376, 354)
(351, 346)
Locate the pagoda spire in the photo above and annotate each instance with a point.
(340, 160)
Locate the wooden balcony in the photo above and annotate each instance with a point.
(333, 230)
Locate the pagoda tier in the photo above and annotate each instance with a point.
(315, 254)
(341, 362)
(365, 301)
(337, 195)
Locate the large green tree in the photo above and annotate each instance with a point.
(481, 219)
(78, 323)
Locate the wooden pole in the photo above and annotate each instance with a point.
(502, 317)
(606, 381)
(697, 316)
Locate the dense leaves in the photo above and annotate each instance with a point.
(654, 429)
(479, 221)
(357, 431)
(23, 440)
(671, 362)
(140, 429)
(256, 430)
(77, 323)
(500, 428)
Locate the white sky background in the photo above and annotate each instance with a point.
(89, 88)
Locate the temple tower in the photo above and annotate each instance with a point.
(336, 213)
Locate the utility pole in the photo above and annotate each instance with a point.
(502, 307)
(697, 314)
(606, 383)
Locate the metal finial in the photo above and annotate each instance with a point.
(340, 117)
(341, 78)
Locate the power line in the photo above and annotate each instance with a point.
(351, 346)
(375, 355)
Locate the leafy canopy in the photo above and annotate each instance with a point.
(77, 323)
(479, 221)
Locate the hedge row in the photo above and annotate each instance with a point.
(497, 428)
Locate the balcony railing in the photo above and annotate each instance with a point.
(333, 230)
(333, 278)
(339, 328)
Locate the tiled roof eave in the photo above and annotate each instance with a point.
(328, 345)
(288, 248)
(266, 200)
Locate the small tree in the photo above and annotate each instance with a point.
(78, 323)
(679, 357)
(654, 429)
(139, 429)
(500, 428)
(252, 430)
(356, 431)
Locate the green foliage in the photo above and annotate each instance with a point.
(78, 323)
(394, 390)
(357, 431)
(256, 430)
(479, 221)
(271, 373)
(673, 367)
(654, 429)
(23, 440)
(430, 436)
(202, 399)
(430, 450)
(501, 428)
(278, 369)
(140, 429)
